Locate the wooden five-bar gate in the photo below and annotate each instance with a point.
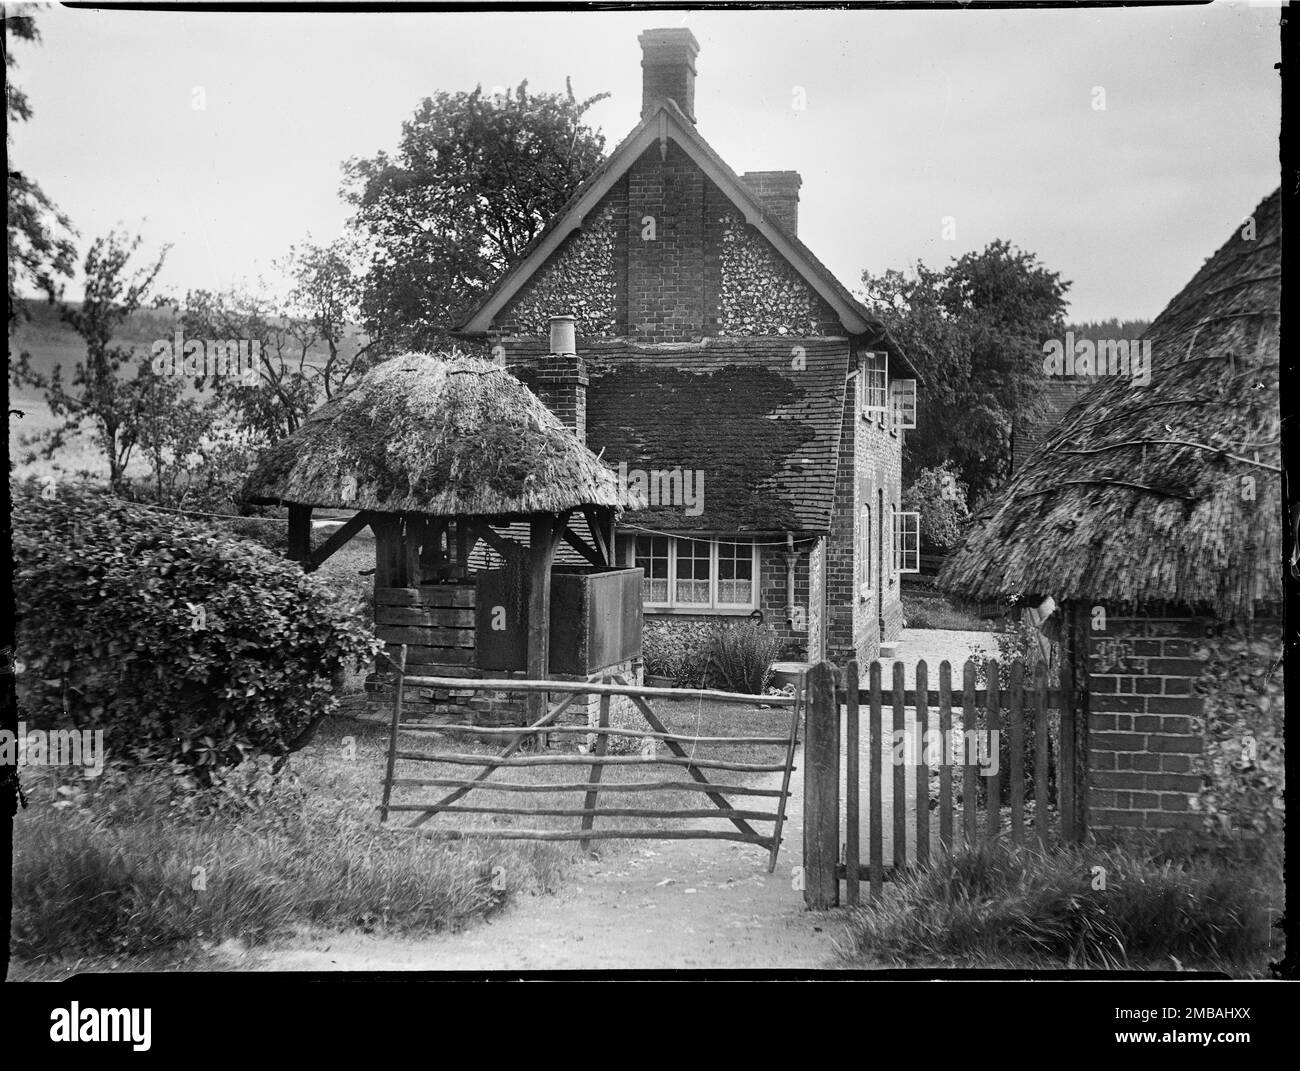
(596, 759)
(938, 823)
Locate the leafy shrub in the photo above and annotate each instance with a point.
(940, 497)
(178, 643)
(998, 903)
(680, 650)
(744, 654)
(1020, 640)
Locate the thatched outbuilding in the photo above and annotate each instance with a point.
(437, 454)
(1153, 515)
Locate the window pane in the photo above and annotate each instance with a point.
(692, 591)
(652, 556)
(736, 592)
(693, 562)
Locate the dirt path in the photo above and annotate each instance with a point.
(659, 904)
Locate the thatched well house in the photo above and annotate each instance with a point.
(1152, 515)
(721, 368)
(440, 456)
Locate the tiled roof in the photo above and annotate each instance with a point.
(764, 435)
(1058, 394)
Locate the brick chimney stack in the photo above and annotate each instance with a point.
(562, 378)
(778, 191)
(668, 69)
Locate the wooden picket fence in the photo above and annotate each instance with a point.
(939, 825)
(597, 760)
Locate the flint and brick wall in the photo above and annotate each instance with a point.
(870, 462)
(1146, 733)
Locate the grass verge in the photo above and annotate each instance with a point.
(126, 869)
(1090, 906)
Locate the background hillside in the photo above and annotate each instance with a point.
(50, 341)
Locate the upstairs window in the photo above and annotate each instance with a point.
(907, 541)
(902, 393)
(873, 385)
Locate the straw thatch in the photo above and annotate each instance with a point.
(1138, 497)
(448, 436)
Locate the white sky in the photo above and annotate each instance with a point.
(911, 116)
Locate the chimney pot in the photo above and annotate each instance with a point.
(563, 335)
(668, 69)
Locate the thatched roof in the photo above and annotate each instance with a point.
(434, 434)
(1137, 498)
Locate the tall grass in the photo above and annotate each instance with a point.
(110, 867)
(133, 866)
(1079, 906)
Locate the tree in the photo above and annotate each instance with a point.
(99, 395)
(39, 235)
(474, 180)
(975, 332)
(285, 389)
(306, 344)
(327, 293)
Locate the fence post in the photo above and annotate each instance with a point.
(821, 772)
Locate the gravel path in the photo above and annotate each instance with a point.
(657, 904)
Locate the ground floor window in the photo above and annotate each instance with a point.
(703, 574)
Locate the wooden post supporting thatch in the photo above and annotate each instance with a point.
(1072, 785)
(299, 533)
(541, 545)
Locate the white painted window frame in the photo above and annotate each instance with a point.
(713, 605)
(902, 397)
(907, 541)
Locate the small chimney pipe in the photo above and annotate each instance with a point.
(563, 335)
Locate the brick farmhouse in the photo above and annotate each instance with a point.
(725, 373)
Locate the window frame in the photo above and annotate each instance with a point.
(714, 605)
(906, 540)
(865, 588)
(873, 363)
(899, 393)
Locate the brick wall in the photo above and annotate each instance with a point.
(561, 384)
(1146, 734)
(665, 275)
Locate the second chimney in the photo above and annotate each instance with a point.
(562, 378)
(668, 69)
(778, 192)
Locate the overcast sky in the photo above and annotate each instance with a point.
(987, 117)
